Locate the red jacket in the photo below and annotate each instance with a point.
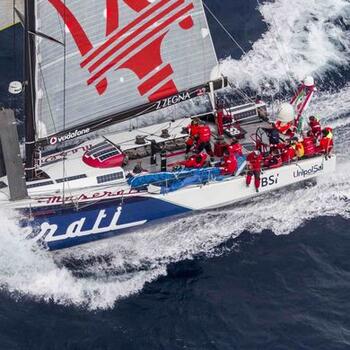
(288, 154)
(195, 161)
(284, 128)
(326, 144)
(229, 166)
(235, 149)
(193, 129)
(204, 134)
(315, 127)
(255, 161)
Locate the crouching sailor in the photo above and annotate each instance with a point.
(229, 165)
(196, 161)
(235, 148)
(254, 168)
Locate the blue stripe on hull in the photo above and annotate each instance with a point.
(132, 211)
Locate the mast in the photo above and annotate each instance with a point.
(29, 64)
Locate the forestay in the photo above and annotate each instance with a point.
(118, 54)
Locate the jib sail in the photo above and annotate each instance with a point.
(119, 59)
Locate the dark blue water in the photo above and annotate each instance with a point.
(268, 292)
(259, 291)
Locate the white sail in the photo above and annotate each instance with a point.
(118, 54)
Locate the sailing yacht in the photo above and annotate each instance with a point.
(93, 64)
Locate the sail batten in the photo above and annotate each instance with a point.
(120, 56)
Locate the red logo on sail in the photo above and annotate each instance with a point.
(136, 46)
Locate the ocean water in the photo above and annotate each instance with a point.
(273, 273)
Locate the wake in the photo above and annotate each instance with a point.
(96, 276)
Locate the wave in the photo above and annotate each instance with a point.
(303, 38)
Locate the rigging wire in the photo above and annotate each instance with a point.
(234, 88)
(47, 97)
(64, 102)
(14, 36)
(224, 28)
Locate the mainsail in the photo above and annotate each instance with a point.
(117, 55)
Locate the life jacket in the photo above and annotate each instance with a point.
(204, 134)
(299, 149)
(284, 128)
(195, 161)
(255, 161)
(288, 154)
(229, 166)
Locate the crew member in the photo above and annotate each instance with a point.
(315, 127)
(326, 142)
(287, 129)
(298, 147)
(204, 135)
(288, 153)
(193, 134)
(155, 148)
(229, 165)
(235, 148)
(254, 168)
(195, 161)
(274, 160)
